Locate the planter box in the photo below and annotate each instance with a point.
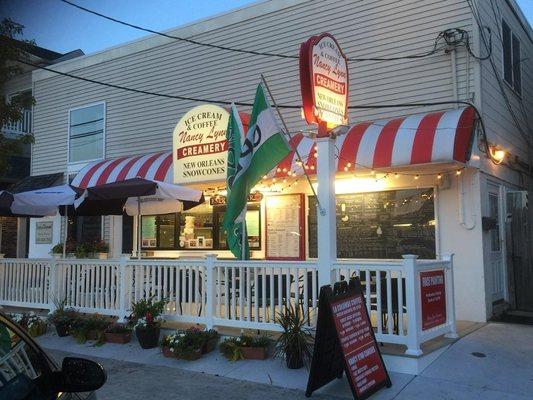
(209, 345)
(167, 353)
(120, 338)
(190, 355)
(62, 329)
(254, 353)
(102, 256)
(148, 337)
(93, 334)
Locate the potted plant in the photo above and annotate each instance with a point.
(146, 320)
(89, 327)
(57, 251)
(35, 325)
(210, 340)
(118, 333)
(188, 344)
(167, 345)
(101, 249)
(81, 251)
(245, 347)
(62, 317)
(295, 341)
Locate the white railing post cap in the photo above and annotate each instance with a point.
(409, 256)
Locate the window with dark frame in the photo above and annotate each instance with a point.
(511, 58)
(197, 229)
(381, 225)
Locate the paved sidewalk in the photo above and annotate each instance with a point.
(506, 372)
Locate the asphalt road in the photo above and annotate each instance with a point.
(132, 381)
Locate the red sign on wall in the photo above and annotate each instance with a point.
(433, 298)
(360, 350)
(324, 81)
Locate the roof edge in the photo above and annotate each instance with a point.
(187, 30)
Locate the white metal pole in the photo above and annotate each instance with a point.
(65, 234)
(138, 228)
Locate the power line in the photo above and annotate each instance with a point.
(434, 50)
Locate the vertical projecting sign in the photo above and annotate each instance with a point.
(200, 149)
(324, 81)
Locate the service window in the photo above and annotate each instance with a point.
(199, 228)
(381, 225)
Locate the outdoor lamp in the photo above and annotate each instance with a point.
(497, 154)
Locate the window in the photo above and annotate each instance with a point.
(199, 228)
(385, 224)
(511, 58)
(86, 133)
(84, 229)
(24, 373)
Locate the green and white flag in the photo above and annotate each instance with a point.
(264, 147)
(236, 231)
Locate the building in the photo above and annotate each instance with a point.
(14, 229)
(468, 206)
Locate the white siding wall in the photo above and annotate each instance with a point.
(501, 128)
(139, 124)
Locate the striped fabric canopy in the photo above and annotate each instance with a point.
(431, 138)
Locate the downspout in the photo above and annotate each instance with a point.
(461, 200)
(453, 58)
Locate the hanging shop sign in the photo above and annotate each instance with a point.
(324, 81)
(433, 298)
(219, 200)
(345, 342)
(199, 145)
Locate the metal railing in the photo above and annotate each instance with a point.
(232, 293)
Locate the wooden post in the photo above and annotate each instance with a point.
(326, 213)
(210, 289)
(122, 289)
(414, 317)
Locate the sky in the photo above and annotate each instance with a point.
(60, 27)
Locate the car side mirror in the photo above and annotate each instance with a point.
(81, 375)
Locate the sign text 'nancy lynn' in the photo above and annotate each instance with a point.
(200, 146)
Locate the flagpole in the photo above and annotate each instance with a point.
(320, 208)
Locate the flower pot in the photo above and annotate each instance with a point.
(190, 355)
(209, 345)
(62, 329)
(102, 256)
(37, 330)
(120, 338)
(254, 353)
(294, 361)
(57, 256)
(167, 353)
(148, 337)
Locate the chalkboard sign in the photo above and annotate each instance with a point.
(345, 342)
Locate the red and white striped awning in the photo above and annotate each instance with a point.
(384, 145)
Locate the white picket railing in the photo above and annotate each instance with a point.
(25, 282)
(241, 294)
(21, 127)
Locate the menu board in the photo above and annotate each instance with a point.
(365, 369)
(345, 343)
(284, 230)
(433, 298)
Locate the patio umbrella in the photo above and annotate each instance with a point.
(137, 196)
(42, 202)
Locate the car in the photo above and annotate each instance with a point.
(28, 373)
